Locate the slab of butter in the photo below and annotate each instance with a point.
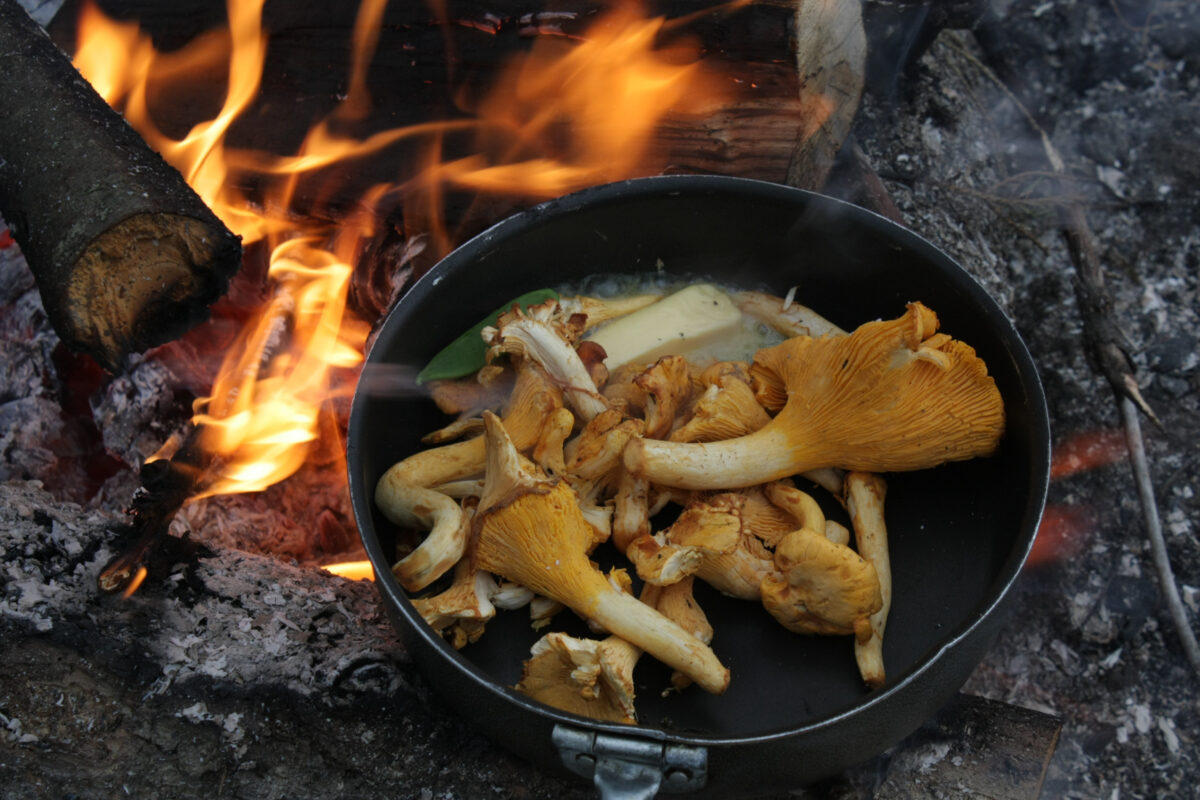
(687, 321)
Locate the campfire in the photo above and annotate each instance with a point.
(349, 151)
(597, 98)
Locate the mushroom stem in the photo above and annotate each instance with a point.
(634, 621)
(864, 500)
(413, 507)
(631, 515)
(748, 460)
(531, 531)
(801, 505)
(450, 462)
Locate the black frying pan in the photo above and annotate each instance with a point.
(795, 710)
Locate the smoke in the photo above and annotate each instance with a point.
(394, 381)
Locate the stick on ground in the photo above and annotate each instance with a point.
(1109, 352)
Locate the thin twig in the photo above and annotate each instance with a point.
(1158, 546)
(1108, 342)
(995, 204)
(1108, 345)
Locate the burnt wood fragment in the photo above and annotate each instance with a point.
(126, 255)
(975, 748)
(167, 483)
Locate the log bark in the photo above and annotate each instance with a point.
(126, 255)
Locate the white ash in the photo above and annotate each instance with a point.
(52, 554)
(27, 426)
(1089, 637)
(30, 415)
(137, 411)
(237, 617)
(925, 758)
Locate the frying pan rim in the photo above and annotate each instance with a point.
(478, 247)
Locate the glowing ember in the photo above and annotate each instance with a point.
(571, 113)
(1086, 451)
(1063, 533)
(138, 576)
(1065, 528)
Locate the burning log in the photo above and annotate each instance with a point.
(747, 121)
(126, 255)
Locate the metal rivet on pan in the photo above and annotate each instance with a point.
(678, 777)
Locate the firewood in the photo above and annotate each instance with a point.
(426, 63)
(831, 51)
(126, 255)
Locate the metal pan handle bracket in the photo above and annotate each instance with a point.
(628, 768)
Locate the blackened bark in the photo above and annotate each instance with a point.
(126, 255)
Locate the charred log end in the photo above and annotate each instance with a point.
(126, 254)
(146, 281)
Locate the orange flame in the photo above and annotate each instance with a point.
(352, 570)
(571, 113)
(610, 91)
(263, 418)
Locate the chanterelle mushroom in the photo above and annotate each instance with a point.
(821, 587)
(598, 447)
(533, 335)
(668, 386)
(464, 608)
(864, 500)
(726, 410)
(598, 310)
(892, 396)
(404, 492)
(589, 677)
(765, 518)
(449, 528)
(712, 540)
(659, 563)
(739, 571)
(530, 530)
(677, 602)
(532, 406)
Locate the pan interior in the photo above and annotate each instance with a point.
(957, 533)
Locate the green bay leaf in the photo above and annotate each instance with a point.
(467, 353)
